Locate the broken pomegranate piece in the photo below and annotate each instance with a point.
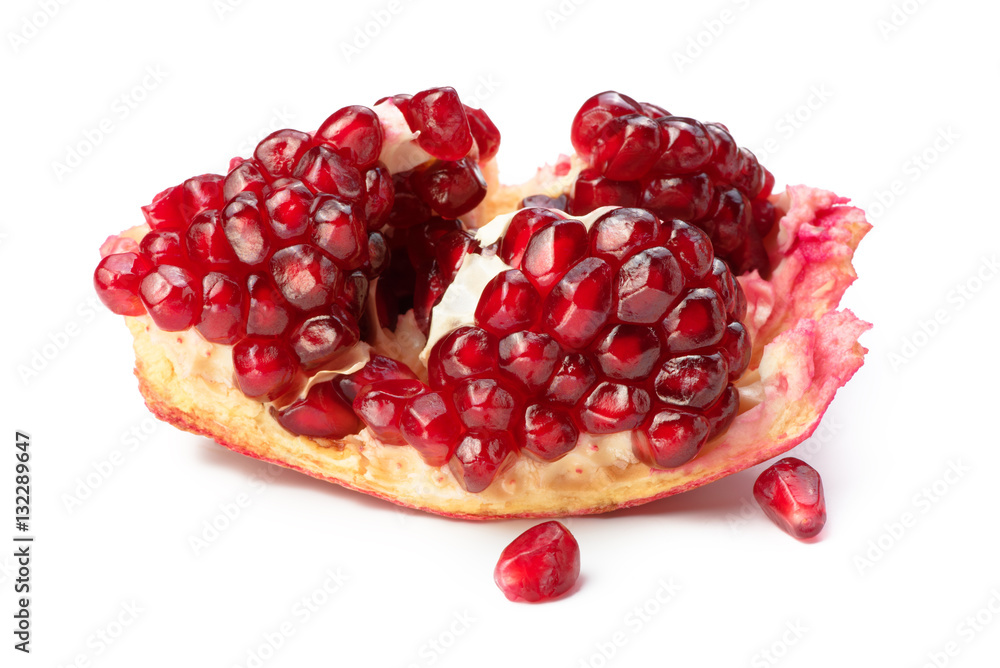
(541, 564)
(791, 494)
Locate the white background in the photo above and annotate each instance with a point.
(911, 439)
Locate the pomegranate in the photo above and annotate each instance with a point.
(365, 303)
(541, 564)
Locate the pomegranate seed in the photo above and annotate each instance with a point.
(613, 407)
(572, 380)
(323, 413)
(357, 132)
(764, 216)
(201, 193)
(377, 369)
(692, 381)
(353, 294)
(767, 187)
(541, 564)
(401, 102)
(245, 230)
(320, 339)
(484, 132)
(268, 314)
(118, 244)
(592, 190)
(653, 111)
(279, 152)
(480, 457)
(451, 189)
(750, 179)
(222, 313)
(791, 493)
(263, 368)
(340, 232)
(722, 282)
(451, 251)
(670, 439)
(698, 321)
(305, 276)
(621, 233)
(627, 352)
(288, 203)
(579, 304)
(172, 296)
(520, 230)
(648, 284)
(627, 147)
(380, 405)
(164, 247)
(548, 432)
(530, 358)
(245, 177)
(408, 209)
(164, 212)
(324, 171)
(429, 290)
(735, 347)
(725, 163)
(595, 113)
(688, 197)
(463, 352)
(722, 413)
(686, 146)
(379, 196)
(439, 116)
(431, 427)
(378, 255)
(552, 251)
(483, 402)
(206, 241)
(691, 247)
(730, 221)
(508, 303)
(117, 280)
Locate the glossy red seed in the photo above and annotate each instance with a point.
(522, 226)
(573, 379)
(692, 381)
(507, 304)
(377, 369)
(200, 193)
(206, 242)
(263, 368)
(267, 312)
(117, 280)
(379, 196)
(357, 132)
(627, 147)
(750, 256)
(164, 212)
(378, 255)
(725, 163)
(319, 340)
(305, 276)
(722, 413)
(450, 252)
(730, 221)
(339, 232)
(552, 251)
(685, 144)
(484, 132)
(791, 494)
(463, 352)
(647, 285)
(530, 358)
(323, 170)
(245, 177)
(620, 233)
(594, 114)
(279, 152)
(427, 294)
(688, 197)
(627, 352)
(483, 402)
(164, 247)
(172, 296)
(721, 280)
(439, 116)
(579, 304)
(288, 203)
(432, 427)
(246, 231)
(547, 432)
(541, 564)
(698, 321)
(380, 405)
(323, 413)
(408, 208)
(222, 312)
(750, 179)
(480, 457)
(670, 439)
(691, 247)
(613, 407)
(353, 294)
(735, 347)
(451, 189)
(764, 216)
(653, 110)
(592, 190)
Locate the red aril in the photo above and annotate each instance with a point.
(117, 280)
(541, 564)
(791, 494)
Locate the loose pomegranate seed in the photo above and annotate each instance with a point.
(579, 304)
(451, 251)
(206, 242)
(627, 147)
(306, 277)
(323, 170)
(730, 221)
(201, 193)
(357, 132)
(480, 457)
(339, 231)
(380, 405)
(613, 407)
(245, 177)
(508, 303)
(323, 413)
(686, 145)
(722, 413)
(222, 315)
(791, 493)
(172, 296)
(484, 402)
(463, 352)
(541, 564)
(432, 427)
(263, 368)
(247, 233)
(647, 285)
(288, 203)
(117, 280)
(592, 190)
(573, 379)
(484, 132)
(552, 251)
(670, 439)
(164, 247)
(451, 189)
(548, 432)
(530, 358)
(268, 314)
(627, 352)
(520, 230)
(320, 339)
(691, 247)
(439, 116)
(164, 212)
(698, 321)
(377, 369)
(379, 196)
(279, 152)
(595, 113)
(688, 197)
(692, 381)
(621, 233)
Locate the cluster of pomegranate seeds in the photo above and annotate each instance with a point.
(791, 494)
(676, 167)
(541, 564)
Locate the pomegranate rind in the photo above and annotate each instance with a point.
(804, 351)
